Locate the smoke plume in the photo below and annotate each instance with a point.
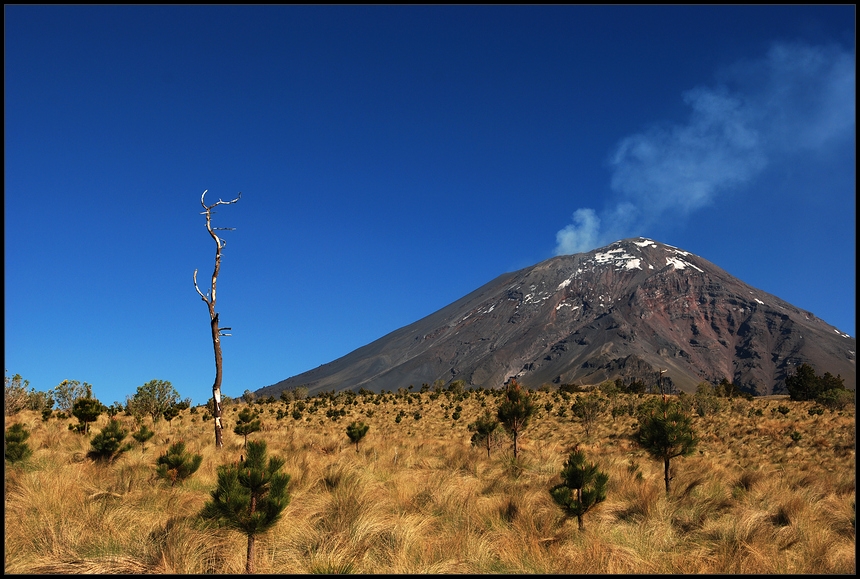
(796, 98)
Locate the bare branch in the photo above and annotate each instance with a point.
(219, 202)
(206, 297)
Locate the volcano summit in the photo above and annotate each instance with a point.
(627, 310)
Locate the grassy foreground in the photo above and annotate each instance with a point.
(418, 498)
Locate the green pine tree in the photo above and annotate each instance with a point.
(16, 448)
(247, 424)
(666, 432)
(803, 384)
(142, 436)
(515, 410)
(485, 428)
(177, 464)
(582, 486)
(356, 432)
(87, 410)
(108, 444)
(250, 497)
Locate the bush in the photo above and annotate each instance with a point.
(87, 410)
(16, 448)
(15, 395)
(356, 432)
(153, 398)
(176, 464)
(805, 385)
(142, 436)
(108, 444)
(486, 431)
(836, 398)
(247, 423)
(588, 409)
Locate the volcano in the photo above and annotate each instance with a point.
(630, 310)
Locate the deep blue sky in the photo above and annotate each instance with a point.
(392, 159)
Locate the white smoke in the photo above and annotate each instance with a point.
(797, 98)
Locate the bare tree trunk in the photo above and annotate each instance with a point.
(209, 298)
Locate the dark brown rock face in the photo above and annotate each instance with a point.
(629, 310)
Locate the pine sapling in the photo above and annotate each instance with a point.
(16, 448)
(356, 432)
(87, 410)
(177, 464)
(250, 497)
(108, 444)
(515, 410)
(248, 423)
(486, 429)
(142, 435)
(666, 432)
(582, 487)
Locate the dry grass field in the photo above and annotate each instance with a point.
(416, 497)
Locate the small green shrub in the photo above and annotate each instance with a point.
(143, 435)
(108, 444)
(16, 447)
(356, 431)
(177, 464)
(248, 423)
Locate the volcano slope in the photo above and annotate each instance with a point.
(628, 310)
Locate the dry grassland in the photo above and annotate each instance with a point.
(418, 498)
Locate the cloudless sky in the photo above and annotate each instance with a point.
(391, 160)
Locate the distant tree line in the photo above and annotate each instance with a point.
(827, 390)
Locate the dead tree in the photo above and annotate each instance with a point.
(209, 298)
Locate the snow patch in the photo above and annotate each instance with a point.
(759, 301)
(680, 263)
(644, 243)
(623, 261)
